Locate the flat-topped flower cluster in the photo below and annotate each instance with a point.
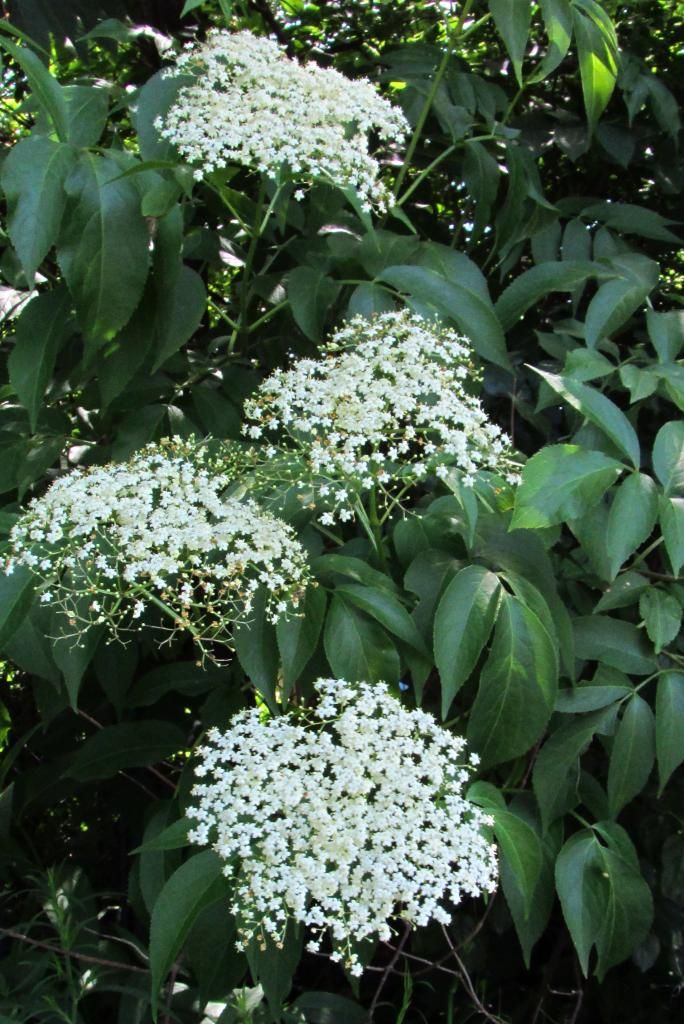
(341, 817)
(251, 104)
(112, 542)
(388, 405)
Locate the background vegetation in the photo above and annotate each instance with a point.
(539, 210)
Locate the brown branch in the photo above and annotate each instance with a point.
(467, 982)
(101, 961)
(389, 969)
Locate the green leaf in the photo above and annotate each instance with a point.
(668, 456)
(629, 218)
(33, 177)
(623, 592)
(512, 20)
(369, 299)
(557, 15)
(385, 609)
(561, 482)
(327, 1008)
(173, 837)
(587, 697)
(274, 965)
(556, 768)
(46, 90)
(87, 109)
(213, 958)
(599, 410)
(40, 330)
(633, 754)
(666, 333)
(462, 303)
(604, 899)
(103, 249)
(662, 614)
(616, 301)
(311, 294)
(530, 925)
(521, 850)
(669, 725)
(463, 622)
(672, 526)
(613, 642)
(16, 598)
(181, 315)
(632, 518)
(331, 565)
(127, 745)
(257, 650)
(193, 886)
(189, 6)
(597, 52)
(297, 636)
(534, 284)
(517, 688)
(481, 174)
(357, 648)
(154, 100)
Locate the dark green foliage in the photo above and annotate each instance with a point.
(538, 210)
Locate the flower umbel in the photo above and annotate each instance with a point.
(251, 104)
(341, 818)
(112, 542)
(386, 406)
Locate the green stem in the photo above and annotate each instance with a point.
(424, 173)
(644, 554)
(427, 106)
(257, 229)
(268, 315)
(168, 610)
(376, 527)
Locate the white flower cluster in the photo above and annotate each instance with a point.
(388, 405)
(341, 818)
(112, 542)
(251, 104)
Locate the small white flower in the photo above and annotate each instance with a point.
(342, 816)
(251, 104)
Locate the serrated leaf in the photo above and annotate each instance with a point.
(556, 768)
(193, 886)
(378, 604)
(613, 642)
(632, 518)
(669, 725)
(311, 295)
(561, 482)
(40, 330)
(557, 15)
(127, 745)
(173, 837)
(616, 301)
(668, 456)
(662, 615)
(467, 307)
(666, 333)
(518, 686)
(512, 20)
(103, 249)
(33, 176)
(357, 648)
(623, 592)
(521, 849)
(530, 925)
(46, 90)
(672, 525)
(534, 284)
(463, 622)
(604, 899)
(180, 316)
(599, 410)
(274, 965)
(257, 650)
(16, 598)
(298, 635)
(632, 755)
(597, 52)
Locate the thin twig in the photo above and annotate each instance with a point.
(388, 969)
(71, 954)
(466, 980)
